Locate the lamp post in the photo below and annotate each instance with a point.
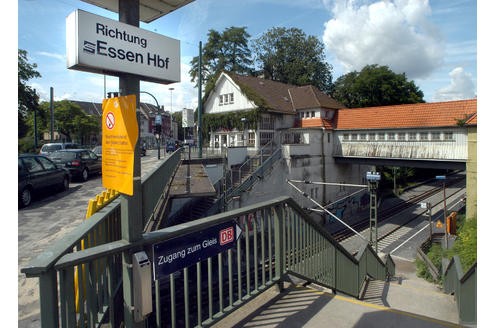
(243, 120)
(171, 89)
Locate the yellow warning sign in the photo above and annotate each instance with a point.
(119, 137)
(439, 224)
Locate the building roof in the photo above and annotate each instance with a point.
(421, 115)
(316, 122)
(281, 97)
(308, 96)
(90, 108)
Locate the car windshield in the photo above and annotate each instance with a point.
(63, 156)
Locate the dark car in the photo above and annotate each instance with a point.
(80, 162)
(38, 173)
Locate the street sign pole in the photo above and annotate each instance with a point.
(131, 206)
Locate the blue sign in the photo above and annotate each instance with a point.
(178, 253)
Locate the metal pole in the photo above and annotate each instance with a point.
(429, 219)
(373, 215)
(131, 206)
(51, 114)
(35, 126)
(200, 105)
(445, 217)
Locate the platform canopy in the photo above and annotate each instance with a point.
(149, 10)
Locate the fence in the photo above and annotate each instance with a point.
(277, 239)
(463, 285)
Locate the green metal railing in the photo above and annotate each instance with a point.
(278, 239)
(463, 285)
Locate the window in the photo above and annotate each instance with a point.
(313, 114)
(391, 136)
(402, 136)
(381, 136)
(448, 136)
(354, 137)
(435, 136)
(423, 136)
(362, 136)
(267, 122)
(346, 136)
(265, 137)
(251, 138)
(231, 98)
(220, 99)
(412, 136)
(329, 137)
(372, 137)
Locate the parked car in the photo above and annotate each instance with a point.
(80, 162)
(51, 147)
(38, 173)
(97, 151)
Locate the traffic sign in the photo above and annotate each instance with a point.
(178, 253)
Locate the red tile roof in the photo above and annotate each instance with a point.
(316, 122)
(440, 114)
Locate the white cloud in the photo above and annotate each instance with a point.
(56, 56)
(461, 87)
(394, 33)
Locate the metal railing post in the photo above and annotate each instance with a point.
(279, 260)
(48, 299)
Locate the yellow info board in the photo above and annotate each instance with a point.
(119, 137)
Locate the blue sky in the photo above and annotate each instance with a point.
(433, 42)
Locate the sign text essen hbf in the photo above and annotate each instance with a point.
(101, 45)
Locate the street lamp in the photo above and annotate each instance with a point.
(171, 89)
(243, 120)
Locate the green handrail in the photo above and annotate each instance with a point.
(278, 239)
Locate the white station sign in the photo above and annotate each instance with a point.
(102, 45)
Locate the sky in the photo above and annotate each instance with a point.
(433, 42)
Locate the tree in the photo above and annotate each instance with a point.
(27, 100)
(375, 86)
(223, 51)
(70, 120)
(290, 56)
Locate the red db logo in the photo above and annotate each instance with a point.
(226, 235)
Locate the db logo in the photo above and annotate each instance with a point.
(226, 235)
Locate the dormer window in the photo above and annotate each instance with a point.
(220, 100)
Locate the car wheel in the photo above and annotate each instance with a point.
(25, 197)
(85, 174)
(65, 184)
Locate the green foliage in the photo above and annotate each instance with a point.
(229, 121)
(70, 120)
(228, 51)
(27, 100)
(375, 86)
(289, 56)
(466, 244)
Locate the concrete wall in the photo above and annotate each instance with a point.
(471, 174)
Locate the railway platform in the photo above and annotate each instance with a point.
(406, 301)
